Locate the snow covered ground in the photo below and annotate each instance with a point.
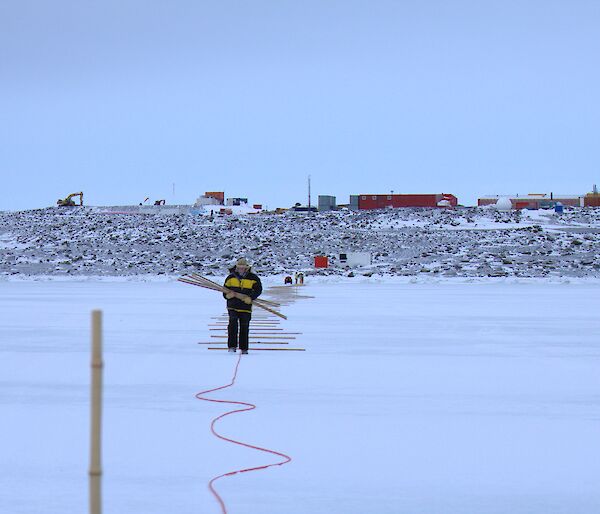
(413, 396)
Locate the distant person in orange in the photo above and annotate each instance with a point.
(244, 287)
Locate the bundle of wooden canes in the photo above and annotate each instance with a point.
(198, 280)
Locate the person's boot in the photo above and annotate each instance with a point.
(231, 350)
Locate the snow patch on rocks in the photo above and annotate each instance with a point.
(469, 242)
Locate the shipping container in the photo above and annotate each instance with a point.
(592, 200)
(327, 203)
(219, 195)
(396, 201)
(236, 202)
(353, 259)
(321, 261)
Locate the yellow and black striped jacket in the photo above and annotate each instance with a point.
(249, 284)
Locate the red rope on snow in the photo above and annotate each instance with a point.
(247, 407)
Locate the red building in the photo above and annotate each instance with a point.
(217, 195)
(592, 200)
(383, 201)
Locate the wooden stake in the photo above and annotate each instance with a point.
(96, 415)
(255, 318)
(261, 329)
(267, 349)
(251, 342)
(259, 335)
(203, 280)
(225, 321)
(188, 280)
(261, 332)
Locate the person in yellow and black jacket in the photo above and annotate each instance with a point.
(244, 287)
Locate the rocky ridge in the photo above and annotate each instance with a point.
(469, 242)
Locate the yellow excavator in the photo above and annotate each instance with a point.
(68, 201)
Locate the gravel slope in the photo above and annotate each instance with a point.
(468, 242)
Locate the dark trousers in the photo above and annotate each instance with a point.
(238, 329)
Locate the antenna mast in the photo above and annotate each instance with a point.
(309, 193)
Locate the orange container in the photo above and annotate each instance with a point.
(217, 195)
(321, 261)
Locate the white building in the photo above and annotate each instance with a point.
(354, 259)
(206, 200)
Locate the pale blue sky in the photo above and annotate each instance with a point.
(123, 99)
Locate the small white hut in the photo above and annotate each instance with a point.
(354, 259)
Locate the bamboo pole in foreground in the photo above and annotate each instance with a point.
(96, 415)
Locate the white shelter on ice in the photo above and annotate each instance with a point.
(354, 259)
